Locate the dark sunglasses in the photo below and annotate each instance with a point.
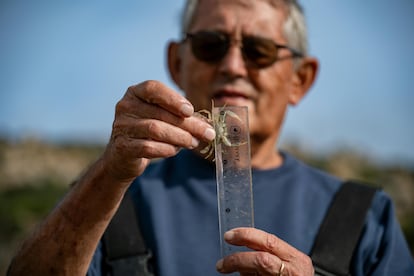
(258, 52)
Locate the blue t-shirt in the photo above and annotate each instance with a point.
(177, 204)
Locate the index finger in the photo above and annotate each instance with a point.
(260, 240)
(155, 92)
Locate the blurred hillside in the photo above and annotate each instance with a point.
(34, 175)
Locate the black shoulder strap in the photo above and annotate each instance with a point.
(126, 252)
(340, 231)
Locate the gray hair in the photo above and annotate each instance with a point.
(294, 27)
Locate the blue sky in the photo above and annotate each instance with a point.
(65, 64)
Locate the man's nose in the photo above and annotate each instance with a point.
(233, 63)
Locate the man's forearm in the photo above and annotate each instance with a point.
(65, 242)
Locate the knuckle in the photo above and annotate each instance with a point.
(265, 261)
(149, 88)
(152, 128)
(144, 90)
(150, 85)
(118, 147)
(308, 265)
(308, 261)
(120, 106)
(272, 243)
(131, 90)
(148, 149)
(145, 148)
(117, 125)
(301, 266)
(120, 144)
(119, 129)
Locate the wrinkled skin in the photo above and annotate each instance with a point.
(151, 121)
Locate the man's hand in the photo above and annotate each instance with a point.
(272, 256)
(151, 121)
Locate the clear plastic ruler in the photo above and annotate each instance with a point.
(233, 171)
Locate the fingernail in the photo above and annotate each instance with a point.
(229, 235)
(219, 265)
(194, 143)
(209, 134)
(187, 109)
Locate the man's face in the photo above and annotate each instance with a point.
(267, 91)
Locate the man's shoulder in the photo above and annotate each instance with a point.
(309, 176)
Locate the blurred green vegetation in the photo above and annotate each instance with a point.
(33, 178)
(35, 175)
(21, 208)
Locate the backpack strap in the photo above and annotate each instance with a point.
(124, 245)
(339, 233)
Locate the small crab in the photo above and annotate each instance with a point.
(220, 126)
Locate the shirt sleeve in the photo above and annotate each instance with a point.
(383, 249)
(96, 265)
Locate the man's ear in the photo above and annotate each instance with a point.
(303, 79)
(174, 62)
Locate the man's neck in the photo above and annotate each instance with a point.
(264, 154)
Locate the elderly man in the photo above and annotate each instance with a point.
(236, 53)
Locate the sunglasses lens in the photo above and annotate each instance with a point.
(209, 46)
(259, 52)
